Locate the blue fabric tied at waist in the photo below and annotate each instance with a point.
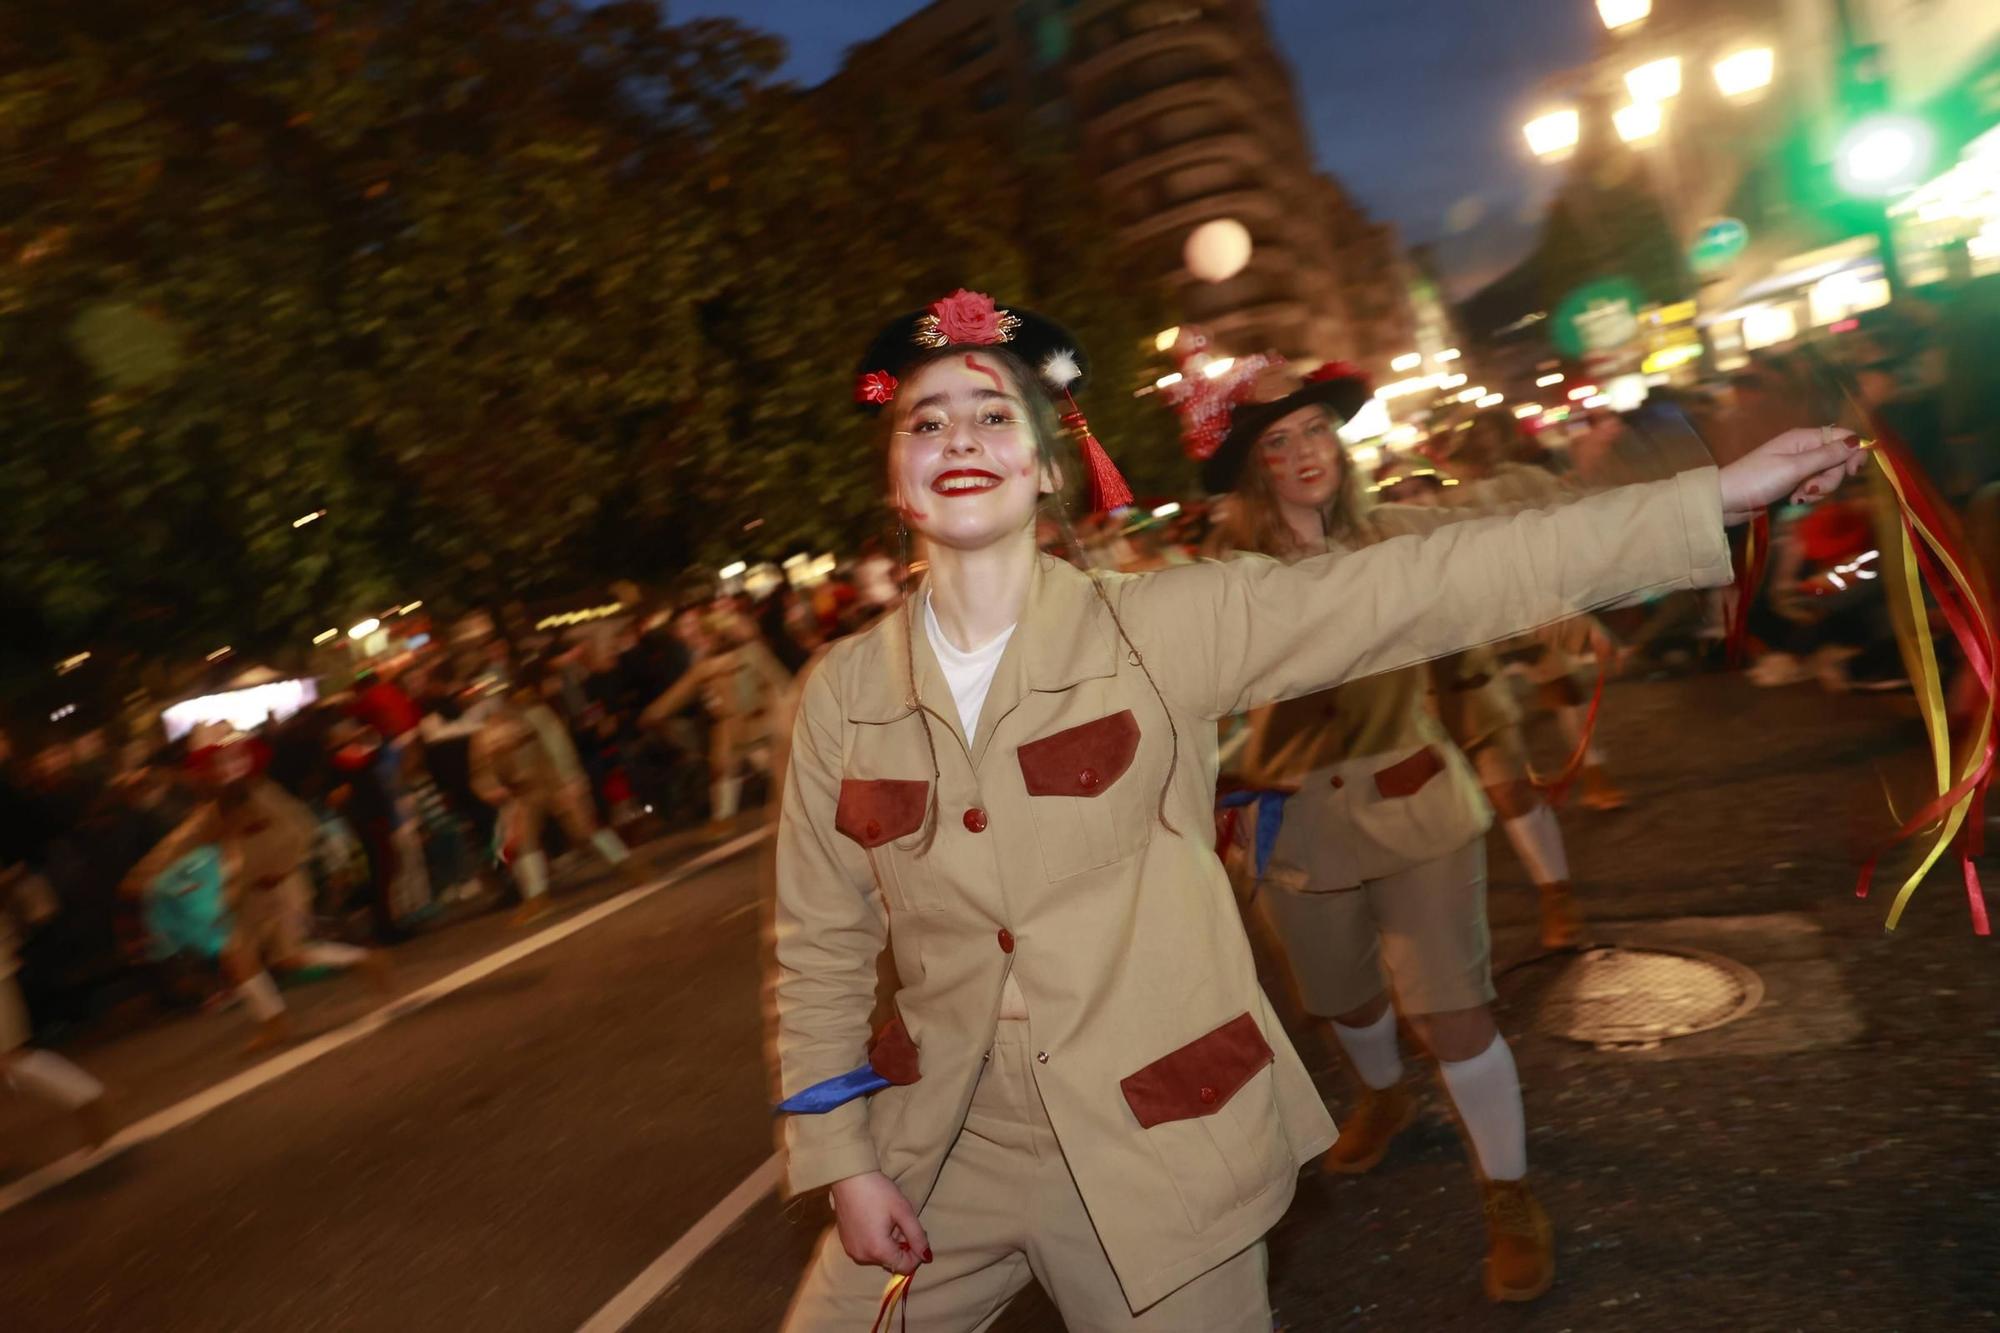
(1270, 817)
(836, 1091)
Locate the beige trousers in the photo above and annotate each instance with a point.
(1006, 1211)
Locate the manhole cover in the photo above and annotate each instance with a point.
(1639, 996)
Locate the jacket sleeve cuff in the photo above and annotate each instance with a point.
(816, 1165)
(1701, 515)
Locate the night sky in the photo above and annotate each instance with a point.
(1415, 104)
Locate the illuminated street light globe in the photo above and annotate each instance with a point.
(1218, 251)
(1882, 155)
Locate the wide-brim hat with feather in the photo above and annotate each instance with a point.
(972, 320)
(1277, 392)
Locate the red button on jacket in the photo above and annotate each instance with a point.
(1006, 940)
(975, 820)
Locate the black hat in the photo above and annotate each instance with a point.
(1278, 392)
(967, 319)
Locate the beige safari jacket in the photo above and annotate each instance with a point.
(1182, 1110)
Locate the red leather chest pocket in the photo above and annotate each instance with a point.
(1407, 777)
(873, 811)
(1081, 761)
(1200, 1077)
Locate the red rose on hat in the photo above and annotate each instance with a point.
(877, 387)
(969, 319)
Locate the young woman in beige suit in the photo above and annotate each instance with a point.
(1376, 881)
(1083, 1083)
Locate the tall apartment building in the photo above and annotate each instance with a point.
(1184, 113)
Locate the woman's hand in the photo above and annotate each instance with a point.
(877, 1224)
(1802, 464)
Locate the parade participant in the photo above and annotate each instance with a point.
(266, 838)
(1007, 780)
(525, 766)
(739, 682)
(1483, 460)
(1376, 881)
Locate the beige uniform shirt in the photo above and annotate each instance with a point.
(1181, 1108)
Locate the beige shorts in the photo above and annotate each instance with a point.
(1500, 759)
(272, 922)
(1420, 933)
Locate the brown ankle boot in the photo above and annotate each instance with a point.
(1521, 1250)
(1599, 791)
(1562, 924)
(1365, 1136)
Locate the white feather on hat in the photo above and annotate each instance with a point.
(1059, 368)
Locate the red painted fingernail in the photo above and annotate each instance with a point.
(927, 1254)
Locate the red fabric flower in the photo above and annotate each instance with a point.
(877, 387)
(969, 319)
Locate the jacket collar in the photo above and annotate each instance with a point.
(1065, 636)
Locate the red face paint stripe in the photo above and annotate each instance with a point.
(972, 363)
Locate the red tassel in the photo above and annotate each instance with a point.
(1108, 490)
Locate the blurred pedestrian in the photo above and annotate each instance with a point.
(525, 765)
(266, 839)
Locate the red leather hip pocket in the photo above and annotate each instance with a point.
(1407, 777)
(1199, 1078)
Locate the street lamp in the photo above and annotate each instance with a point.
(1638, 122)
(1656, 80)
(1407, 361)
(1554, 134)
(1623, 13)
(1883, 154)
(1745, 72)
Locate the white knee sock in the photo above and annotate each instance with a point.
(723, 795)
(260, 997)
(1487, 1091)
(1373, 1050)
(1538, 841)
(46, 1075)
(1571, 717)
(610, 846)
(532, 873)
(325, 953)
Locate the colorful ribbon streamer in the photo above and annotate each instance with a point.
(1756, 553)
(897, 1294)
(1934, 560)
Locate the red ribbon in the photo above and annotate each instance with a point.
(1557, 787)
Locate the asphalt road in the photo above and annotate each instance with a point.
(513, 1154)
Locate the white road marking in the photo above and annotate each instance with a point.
(270, 1071)
(668, 1269)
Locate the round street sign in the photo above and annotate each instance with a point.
(1717, 244)
(1599, 316)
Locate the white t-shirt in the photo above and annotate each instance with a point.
(970, 675)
